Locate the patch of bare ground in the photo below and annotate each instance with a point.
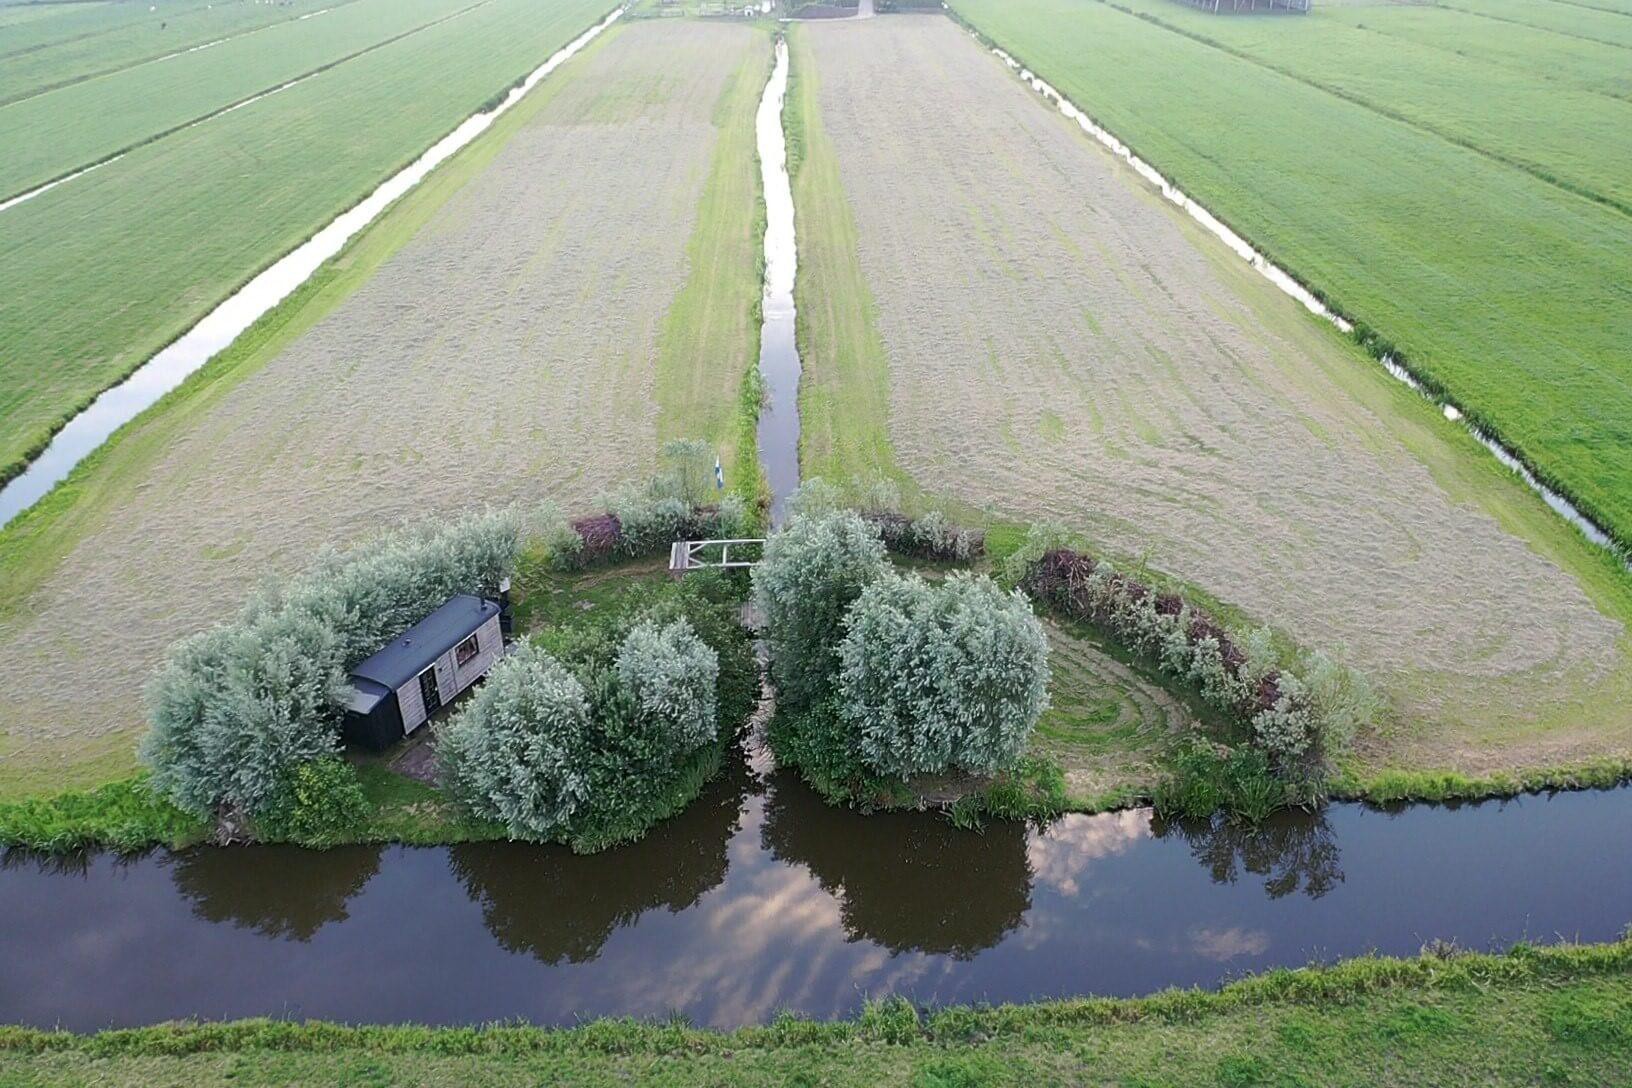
(506, 351)
(1063, 344)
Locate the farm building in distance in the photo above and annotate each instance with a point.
(395, 691)
(1302, 7)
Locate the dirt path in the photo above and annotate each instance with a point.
(506, 351)
(1061, 344)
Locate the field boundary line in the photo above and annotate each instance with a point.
(1529, 26)
(1553, 492)
(25, 50)
(1595, 7)
(1534, 170)
(1494, 62)
(154, 59)
(11, 200)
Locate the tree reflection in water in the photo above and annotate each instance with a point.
(278, 891)
(559, 906)
(1290, 850)
(910, 882)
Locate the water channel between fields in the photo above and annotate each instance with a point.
(759, 897)
(778, 431)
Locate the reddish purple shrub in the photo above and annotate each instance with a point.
(602, 534)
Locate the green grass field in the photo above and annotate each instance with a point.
(1557, 1016)
(710, 340)
(1410, 193)
(1575, 137)
(53, 134)
(45, 45)
(101, 272)
(844, 385)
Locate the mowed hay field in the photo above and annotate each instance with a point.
(1045, 337)
(100, 272)
(1470, 208)
(520, 344)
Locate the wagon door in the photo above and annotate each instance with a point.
(430, 692)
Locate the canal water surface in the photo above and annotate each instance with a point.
(778, 351)
(760, 898)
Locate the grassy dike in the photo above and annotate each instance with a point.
(1556, 1015)
(844, 387)
(708, 352)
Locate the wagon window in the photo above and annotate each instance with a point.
(466, 650)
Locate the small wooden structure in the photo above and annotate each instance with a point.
(688, 555)
(395, 691)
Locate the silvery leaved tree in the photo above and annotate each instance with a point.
(811, 573)
(944, 676)
(515, 754)
(552, 750)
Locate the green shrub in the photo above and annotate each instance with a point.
(1206, 778)
(811, 573)
(320, 802)
(124, 816)
(676, 503)
(669, 675)
(948, 676)
(235, 709)
(1300, 709)
(568, 748)
(516, 752)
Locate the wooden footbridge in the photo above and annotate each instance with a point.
(690, 555)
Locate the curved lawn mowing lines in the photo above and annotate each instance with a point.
(1106, 723)
(17, 198)
(116, 69)
(1535, 170)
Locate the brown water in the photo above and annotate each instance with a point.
(760, 898)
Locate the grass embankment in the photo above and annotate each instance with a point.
(94, 300)
(1387, 235)
(708, 353)
(1556, 1015)
(844, 393)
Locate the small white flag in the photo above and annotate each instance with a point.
(719, 475)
